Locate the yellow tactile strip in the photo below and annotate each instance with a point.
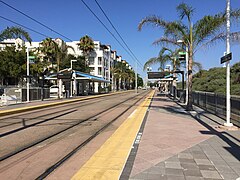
(24, 109)
(108, 162)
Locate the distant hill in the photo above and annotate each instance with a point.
(214, 80)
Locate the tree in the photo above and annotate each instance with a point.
(214, 80)
(12, 65)
(14, 33)
(79, 65)
(192, 35)
(163, 58)
(51, 51)
(86, 45)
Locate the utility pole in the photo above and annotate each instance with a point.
(228, 96)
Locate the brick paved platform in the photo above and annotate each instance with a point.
(176, 144)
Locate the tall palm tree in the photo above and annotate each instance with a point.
(163, 57)
(50, 49)
(192, 35)
(15, 32)
(86, 45)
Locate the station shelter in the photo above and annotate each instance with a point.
(76, 83)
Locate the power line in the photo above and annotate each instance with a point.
(117, 32)
(23, 26)
(106, 28)
(34, 20)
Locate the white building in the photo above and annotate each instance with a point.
(100, 61)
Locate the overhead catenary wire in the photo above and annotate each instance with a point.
(23, 26)
(94, 14)
(35, 20)
(117, 32)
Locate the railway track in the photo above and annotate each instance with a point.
(134, 100)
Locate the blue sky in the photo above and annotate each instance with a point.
(74, 20)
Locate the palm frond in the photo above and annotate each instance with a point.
(197, 66)
(15, 32)
(234, 38)
(165, 41)
(176, 29)
(150, 62)
(153, 20)
(207, 27)
(185, 10)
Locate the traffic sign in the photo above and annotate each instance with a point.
(182, 53)
(226, 58)
(31, 57)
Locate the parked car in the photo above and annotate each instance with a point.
(54, 91)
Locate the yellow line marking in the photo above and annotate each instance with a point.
(109, 160)
(23, 109)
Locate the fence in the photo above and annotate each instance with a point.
(15, 95)
(35, 94)
(215, 103)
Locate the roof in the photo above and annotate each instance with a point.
(81, 76)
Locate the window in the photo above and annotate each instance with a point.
(91, 61)
(99, 60)
(99, 71)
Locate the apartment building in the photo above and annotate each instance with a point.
(100, 61)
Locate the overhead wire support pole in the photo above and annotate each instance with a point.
(228, 96)
(136, 79)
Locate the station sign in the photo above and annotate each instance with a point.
(157, 75)
(226, 58)
(64, 75)
(31, 59)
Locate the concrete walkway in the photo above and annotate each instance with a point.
(176, 144)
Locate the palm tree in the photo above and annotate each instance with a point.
(86, 44)
(192, 35)
(163, 58)
(15, 32)
(51, 50)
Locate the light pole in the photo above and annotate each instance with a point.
(149, 69)
(186, 50)
(74, 60)
(136, 88)
(28, 75)
(228, 96)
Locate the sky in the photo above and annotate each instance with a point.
(73, 20)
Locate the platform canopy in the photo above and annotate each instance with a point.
(80, 75)
(69, 74)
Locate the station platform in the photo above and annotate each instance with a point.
(159, 140)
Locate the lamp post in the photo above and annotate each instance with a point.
(28, 75)
(136, 84)
(186, 50)
(228, 96)
(71, 89)
(149, 69)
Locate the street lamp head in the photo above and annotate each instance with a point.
(180, 41)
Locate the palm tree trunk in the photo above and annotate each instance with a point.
(190, 76)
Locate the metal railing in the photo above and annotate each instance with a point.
(214, 103)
